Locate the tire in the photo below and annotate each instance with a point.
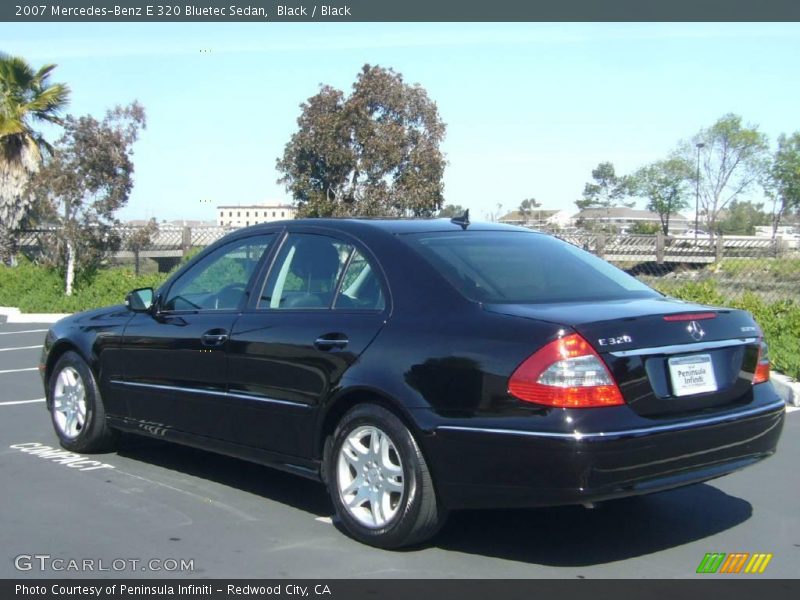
(375, 457)
(76, 408)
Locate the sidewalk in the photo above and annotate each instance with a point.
(10, 314)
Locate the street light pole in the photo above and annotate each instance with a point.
(699, 145)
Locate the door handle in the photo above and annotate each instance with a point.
(331, 341)
(214, 337)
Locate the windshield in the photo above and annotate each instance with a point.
(508, 267)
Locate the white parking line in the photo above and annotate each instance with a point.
(23, 331)
(791, 409)
(327, 520)
(20, 348)
(21, 402)
(19, 370)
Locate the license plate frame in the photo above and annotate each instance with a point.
(692, 374)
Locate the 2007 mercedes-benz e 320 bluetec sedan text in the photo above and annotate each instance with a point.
(419, 366)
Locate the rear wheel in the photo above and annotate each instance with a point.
(76, 407)
(379, 482)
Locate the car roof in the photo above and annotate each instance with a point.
(391, 226)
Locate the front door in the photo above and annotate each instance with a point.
(176, 366)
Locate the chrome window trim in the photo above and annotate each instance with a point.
(614, 435)
(683, 348)
(177, 388)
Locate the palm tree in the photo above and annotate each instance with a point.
(26, 98)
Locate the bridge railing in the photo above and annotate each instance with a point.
(769, 268)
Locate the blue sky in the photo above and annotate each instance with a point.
(530, 108)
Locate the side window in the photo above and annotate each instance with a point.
(360, 288)
(218, 282)
(305, 272)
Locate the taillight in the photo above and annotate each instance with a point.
(567, 372)
(762, 365)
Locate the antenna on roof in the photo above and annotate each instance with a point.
(463, 220)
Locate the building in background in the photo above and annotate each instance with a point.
(243, 215)
(621, 219)
(540, 218)
(536, 216)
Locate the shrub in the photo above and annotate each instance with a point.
(780, 321)
(35, 288)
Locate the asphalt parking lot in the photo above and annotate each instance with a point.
(226, 518)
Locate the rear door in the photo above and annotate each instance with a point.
(323, 301)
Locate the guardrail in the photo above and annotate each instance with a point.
(171, 241)
(167, 245)
(661, 249)
(737, 264)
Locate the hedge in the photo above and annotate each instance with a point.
(780, 320)
(34, 288)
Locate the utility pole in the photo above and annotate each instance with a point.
(699, 145)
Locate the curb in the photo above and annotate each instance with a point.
(10, 314)
(787, 388)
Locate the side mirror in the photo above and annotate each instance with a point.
(140, 300)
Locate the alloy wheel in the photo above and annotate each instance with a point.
(370, 476)
(69, 403)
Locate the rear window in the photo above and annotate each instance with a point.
(523, 268)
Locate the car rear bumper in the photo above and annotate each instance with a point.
(478, 466)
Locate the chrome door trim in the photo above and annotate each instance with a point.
(177, 388)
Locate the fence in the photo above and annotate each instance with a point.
(736, 265)
(166, 246)
(769, 268)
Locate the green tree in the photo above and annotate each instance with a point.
(664, 184)
(87, 179)
(605, 191)
(643, 228)
(526, 208)
(451, 210)
(783, 179)
(141, 239)
(732, 159)
(374, 152)
(495, 215)
(27, 98)
(742, 218)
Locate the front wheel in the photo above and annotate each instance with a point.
(379, 482)
(76, 407)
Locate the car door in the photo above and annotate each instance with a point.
(324, 300)
(175, 373)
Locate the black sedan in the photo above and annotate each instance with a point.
(418, 366)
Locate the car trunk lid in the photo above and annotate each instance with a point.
(667, 356)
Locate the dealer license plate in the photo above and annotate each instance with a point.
(692, 374)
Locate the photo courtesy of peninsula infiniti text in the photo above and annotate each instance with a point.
(416, 367)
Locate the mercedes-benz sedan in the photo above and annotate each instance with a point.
(420, 366)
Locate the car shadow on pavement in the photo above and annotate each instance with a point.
(572, 536)
(560, 536)
(235, 473)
